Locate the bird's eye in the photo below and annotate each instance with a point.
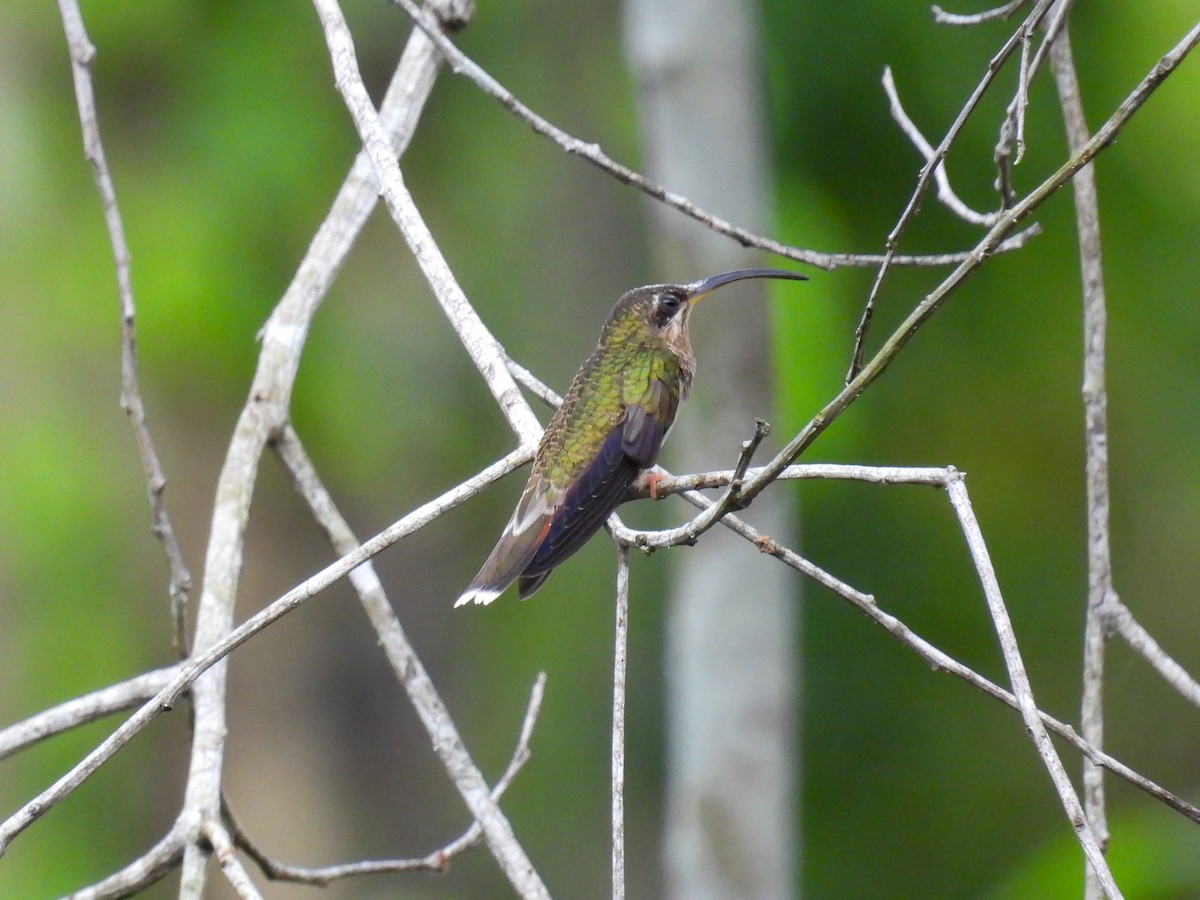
(669, 303)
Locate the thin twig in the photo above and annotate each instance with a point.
(480, 344)
(482, 347)
(945, 191)
(988, 15)
(82, 54)
(231, 865)
(265, 412)
(761, 429)
(409, 669)
(1010, 146)
(437, 861)
(620, 660)
(1103, 137)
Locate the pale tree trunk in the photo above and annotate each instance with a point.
(732, 623)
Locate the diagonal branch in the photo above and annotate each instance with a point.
(945, 190)
(1141, 641)
(988, 15)
(480, 344)
(939, 660)
(1023, 692)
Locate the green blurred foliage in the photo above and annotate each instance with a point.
(227, 141)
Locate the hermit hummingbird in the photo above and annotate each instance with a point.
(608, 431)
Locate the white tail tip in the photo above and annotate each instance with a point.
(481, 596)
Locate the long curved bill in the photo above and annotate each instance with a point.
(698, 289)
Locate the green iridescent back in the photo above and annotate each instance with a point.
(616, 375)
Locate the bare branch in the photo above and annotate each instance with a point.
(483, 348)
(945, 191)
(935, 657)
(988, 15)
(231, 866)
(404, 660)
(620, 659)
(957, 491)
(437, 861)
(264, 414)
(929, 305)
(82, 54)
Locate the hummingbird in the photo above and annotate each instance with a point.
(607, 432)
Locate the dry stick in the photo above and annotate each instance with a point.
(620, 659)
(82, 54)
(1101, 596)
(83, 710)
(404, 661)
(988, 15)
(461, 64)
(923, 178)
(439, 859)
(945, 190)
(957, 491)
(1012, 130)
(231, 866)
(938, 659)
(190, 669)
(480, 345)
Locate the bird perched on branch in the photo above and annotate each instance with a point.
(608, 430)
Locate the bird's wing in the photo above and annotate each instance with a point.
(631, 446)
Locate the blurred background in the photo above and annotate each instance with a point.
(227, 140)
